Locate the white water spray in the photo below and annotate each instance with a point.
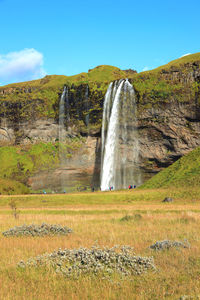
(63, 116)
(120, 148)
(62, 131)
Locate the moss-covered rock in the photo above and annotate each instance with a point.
(22, 161)
(168, 109)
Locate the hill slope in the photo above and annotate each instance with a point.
(100, 74)
(41, 96)
(184, 172)
(168, 110)
(179, 81)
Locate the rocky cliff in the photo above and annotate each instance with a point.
(169, 111)
(168, 102)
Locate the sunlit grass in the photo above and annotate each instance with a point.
(133, 197)
(178, 271)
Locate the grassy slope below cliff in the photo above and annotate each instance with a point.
(12, 187)
(184, 172)
(18, 163)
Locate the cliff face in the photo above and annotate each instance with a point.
(169, 112)
(168, 108)
(167, 132)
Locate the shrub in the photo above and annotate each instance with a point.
(37, 230)
(95, 261)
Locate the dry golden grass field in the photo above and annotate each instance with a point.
(95, 218)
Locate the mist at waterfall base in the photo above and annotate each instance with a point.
(119, 138)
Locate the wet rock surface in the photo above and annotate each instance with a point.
(94, 260)
(37, 230)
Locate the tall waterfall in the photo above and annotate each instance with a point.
(63, 116)
(120, 147)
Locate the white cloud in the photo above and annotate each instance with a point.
(23, 65)
(185, 55)
(145, 69)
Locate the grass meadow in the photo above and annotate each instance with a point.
(98, 218)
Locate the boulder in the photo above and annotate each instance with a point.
(168, 199)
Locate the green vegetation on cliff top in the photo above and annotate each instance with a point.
(170, 82)
(163, 84)
(185, 172)
(99, 74)
(184, 60)
(102, 73)
(44, 93)
(179, 63)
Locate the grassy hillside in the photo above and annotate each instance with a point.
(28, 101)
(171, 82)
(19, 162)
(100, 74)
(44, 94)
(184, 172)
(178, 63)
(191, 58)
(164, 84)
(54, 83)
(12, 187)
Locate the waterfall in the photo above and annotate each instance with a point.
(87, 106)
(63, 116)
(119, 138)
(105, 119)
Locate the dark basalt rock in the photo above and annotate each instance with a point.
(168, 199)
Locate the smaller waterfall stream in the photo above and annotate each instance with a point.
(120, 148)
(62, 131)
(87, 117)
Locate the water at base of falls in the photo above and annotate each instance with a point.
(119, 138)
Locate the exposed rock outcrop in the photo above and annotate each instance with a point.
(168, 101)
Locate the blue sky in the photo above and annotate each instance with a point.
(68, 37)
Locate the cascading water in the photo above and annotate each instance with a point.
(120, 147)
(87, 106)
(64, 103)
